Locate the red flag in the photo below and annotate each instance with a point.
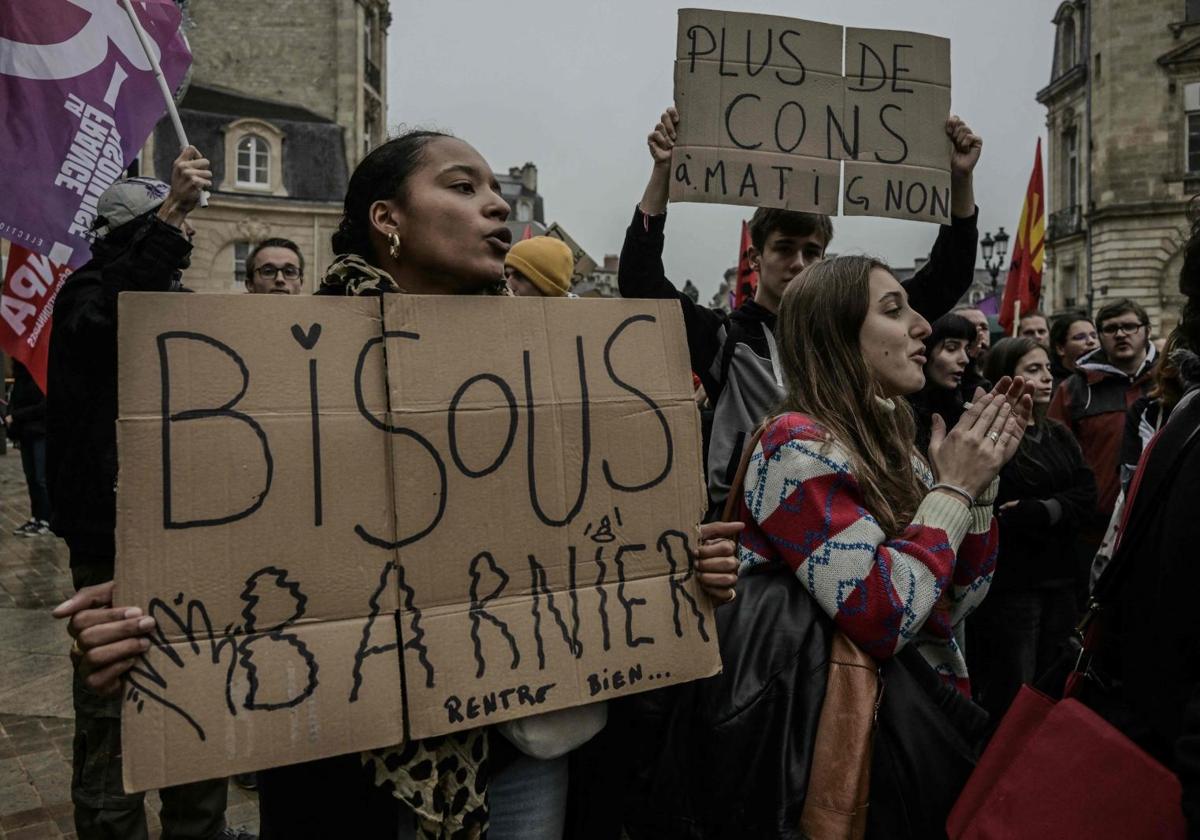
(1024, 283)
(31, 284)
(528, 234)
(747, 278)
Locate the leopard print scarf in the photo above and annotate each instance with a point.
(443, 779)
(350, 274)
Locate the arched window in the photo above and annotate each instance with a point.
(1067, 42)
(253, 162)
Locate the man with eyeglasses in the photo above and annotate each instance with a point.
(1093, 401)
(275, 267)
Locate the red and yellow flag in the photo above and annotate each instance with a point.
(1024, 285)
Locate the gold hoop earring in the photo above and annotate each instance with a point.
(394, 245)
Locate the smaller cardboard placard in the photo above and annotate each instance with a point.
(584, 264)
(794, 93)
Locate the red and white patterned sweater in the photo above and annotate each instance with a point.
(802, 506)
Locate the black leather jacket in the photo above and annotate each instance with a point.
(728, 757)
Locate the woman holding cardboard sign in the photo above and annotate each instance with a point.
(423, 214)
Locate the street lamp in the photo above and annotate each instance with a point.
(997, 245)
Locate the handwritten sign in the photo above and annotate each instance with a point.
(771, 107)
(584, 264)
(361, 520)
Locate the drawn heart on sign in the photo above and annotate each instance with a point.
(306, 340)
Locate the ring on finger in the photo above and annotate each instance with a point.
(995, 436)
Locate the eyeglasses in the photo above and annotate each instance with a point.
(269, 272)
(1114, 329)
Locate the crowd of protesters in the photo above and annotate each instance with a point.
(880, 475)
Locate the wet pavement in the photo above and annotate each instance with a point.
(36, 720)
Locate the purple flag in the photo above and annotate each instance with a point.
(78, 98)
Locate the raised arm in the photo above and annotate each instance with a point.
(944, 279)
(148, 259)
(640, 272)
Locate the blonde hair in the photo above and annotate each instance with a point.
(827, 377)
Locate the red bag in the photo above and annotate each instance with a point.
(1060, 770)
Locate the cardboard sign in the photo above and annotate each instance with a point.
(584, 264)
(769, 108)
(361, 520)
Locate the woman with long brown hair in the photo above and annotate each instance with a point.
(894, 549)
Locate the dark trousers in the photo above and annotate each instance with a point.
(103, 811)
(33, 461)
(1013, 638)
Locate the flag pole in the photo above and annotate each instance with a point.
(1016, 316)
(172, 111)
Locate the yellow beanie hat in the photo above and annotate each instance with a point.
(546, 261)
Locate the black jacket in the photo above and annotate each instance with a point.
(27, 405)
(732, 353)
(1055, 493)
(1151, 639)
(144, 255)
(728, 757)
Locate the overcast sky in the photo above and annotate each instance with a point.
(575, 87)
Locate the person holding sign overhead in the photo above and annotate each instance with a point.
(736, 355)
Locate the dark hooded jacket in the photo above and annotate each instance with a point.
(144, 255)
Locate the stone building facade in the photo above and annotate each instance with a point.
(527, 214)
(285, 97)
(1123, 154)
